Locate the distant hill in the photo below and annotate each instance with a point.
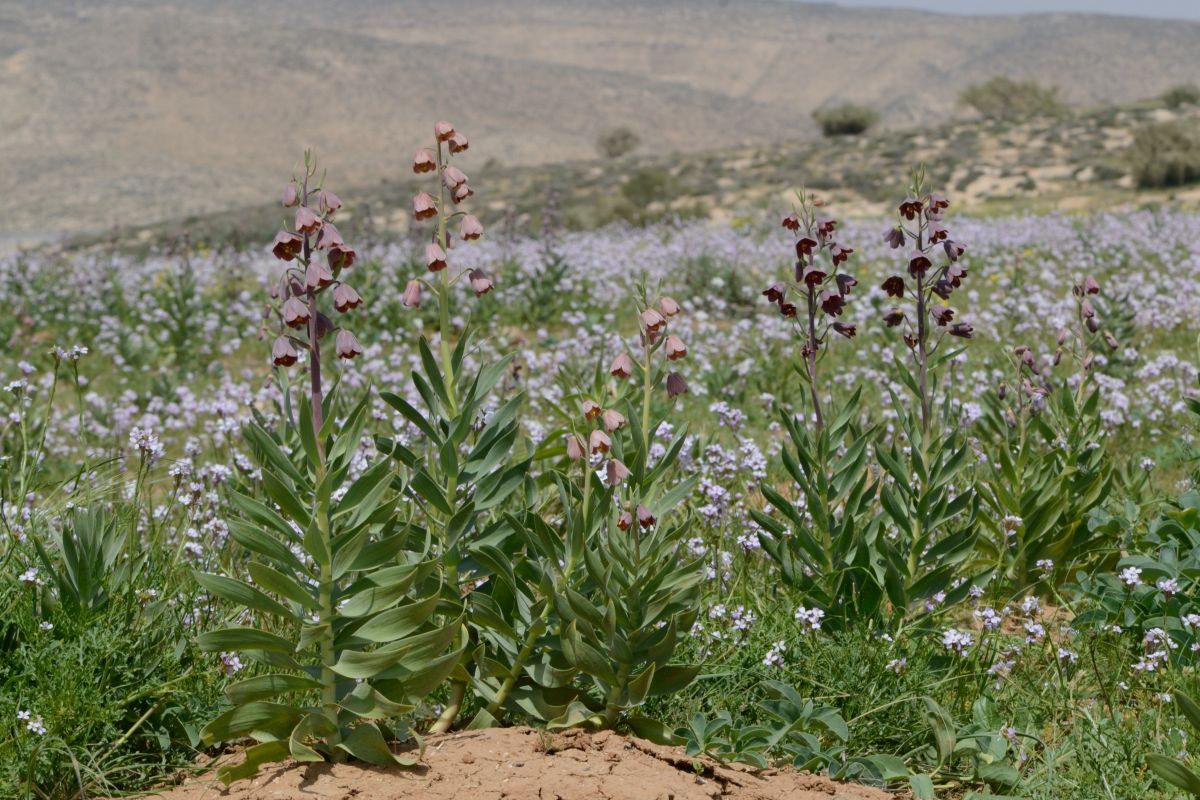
(134, 111)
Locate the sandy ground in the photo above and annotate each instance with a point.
(523, 764)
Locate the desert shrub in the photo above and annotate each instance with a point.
(847, 119)
(1185, 94)
(1003, 98)
(617, 142)
(1165, 154)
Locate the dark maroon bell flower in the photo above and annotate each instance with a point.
(954, 250)
(918, 262)
(840, 254)
(644, 517)
(962, 330)
(346, 345)
(774, 293)
(894, 286)
(287, 245)
(938, 203)
(910, 208)
(894, 236)
(831, 302)
(791, 222)
(675, 385)
(893, 317)
(845, 329)
(283, 352)
(942, 315)
(341, 256)
(955, 274)
(787, 309)
(813, 276)
(825, 227)
(845, 283)
(805, 246)
(937, 233)
(943, 288)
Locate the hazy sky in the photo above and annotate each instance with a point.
(1173, 9)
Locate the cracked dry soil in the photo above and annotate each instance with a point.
(524, 764)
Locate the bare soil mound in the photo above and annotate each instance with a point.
(524, 764)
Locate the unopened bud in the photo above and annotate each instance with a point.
(412, 294)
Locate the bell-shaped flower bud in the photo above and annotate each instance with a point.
(591, 409)
(962, 330)
(1091, 285)
(328, 202)
(599, 442)
(291, 196)
(424, 206)
(346, 345)
(942, 315)
(443, 131)
(616, 472)
(317, 276)
(668, 306)
(306, 220)
(652, 321)
(435, 257)
(1110, 340)
(613, 420)
(295, 312)
(644, 517)
(424, 160)
(453, 177)
(345, 298)
(412, 294)
(457, 142)
(894, 236)
(575, 447)
(283, 352)
(839, 254)
(341, 256)
(622, 366)
(845, 329)
(845, 283)
(287, 245)
(470, 228)
(481, 284)
(675, 348)
(675, 385)
(329, 236)
(805, 246)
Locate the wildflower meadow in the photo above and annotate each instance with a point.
(906, 501)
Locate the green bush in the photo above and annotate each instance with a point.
(617, 142)
(1165, 154)
(1185, 94)
(1003, 98)
(847, 119)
